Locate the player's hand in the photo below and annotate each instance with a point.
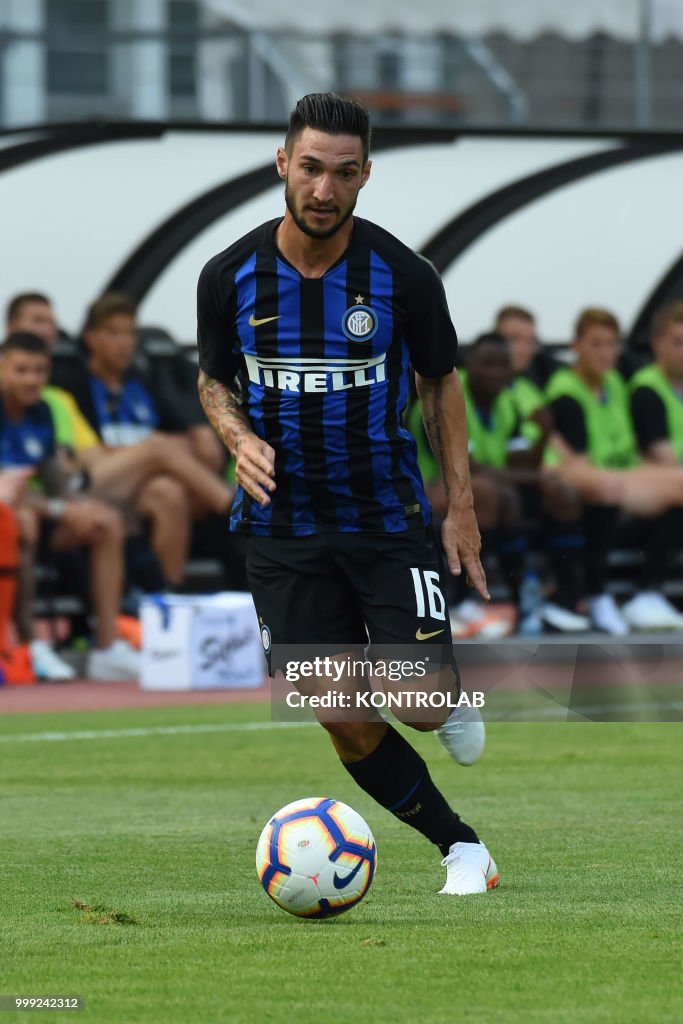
(543, 418)
(462, 544)
(255, 467)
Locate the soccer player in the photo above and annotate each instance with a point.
(657, 392)
(531, 363)
(31, 313)
(306, 327)
(506, 450)
(133, 462)
(599, 456)
(507, 443)
(27, 440)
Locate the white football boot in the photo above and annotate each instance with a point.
(564, 620)
(463, 735)
(650, 610)
(47, 664)
(470, 869)
(474, 618)
(606, 615)
(118, 663)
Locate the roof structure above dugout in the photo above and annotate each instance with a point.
(525, 19)
(552, 221)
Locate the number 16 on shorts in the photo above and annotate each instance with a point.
(428, 594)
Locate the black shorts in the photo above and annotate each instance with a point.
(342, 591)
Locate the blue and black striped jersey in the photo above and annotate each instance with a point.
(322, 366)
(29, 441)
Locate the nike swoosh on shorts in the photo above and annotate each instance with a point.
(419, 635)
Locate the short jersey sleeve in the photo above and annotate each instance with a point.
(216, 322)
(41, 430)
(649, 417)
(84, 435)
(570, 423)
(430, 333)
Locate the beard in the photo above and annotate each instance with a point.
(321, 233)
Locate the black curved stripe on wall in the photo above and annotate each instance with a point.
(458, 234)
(444, 248)
(45, 139)
(669, 289)
(142, 268)
(146, 264)
(50, 142)
(48, 139)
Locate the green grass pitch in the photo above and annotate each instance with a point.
(153, 835)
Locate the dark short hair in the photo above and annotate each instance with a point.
(330, 113)
(489, 338)
(22, 341)
(110, 304)
(16, 304)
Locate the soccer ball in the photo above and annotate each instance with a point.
(316, 857)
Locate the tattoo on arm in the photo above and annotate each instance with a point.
(432, 425)
(223, 412)
(441, 417)
(436, 443)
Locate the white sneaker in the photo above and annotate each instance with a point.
(463, 735)
(47, 664)
(465, 614)
(473, 618)
(651, 610)
(117, 663)
(564, 619)
(606, 615)
(470, 869)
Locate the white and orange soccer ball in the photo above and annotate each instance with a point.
(316, 857)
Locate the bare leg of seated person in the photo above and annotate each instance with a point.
(120, 474)
(99, 527)
(29, 533)
(205, 446)
(202, 444)
(163, 502)
(46, 663)
(651, 490)
(643, 491)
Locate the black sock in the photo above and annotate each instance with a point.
(661, 540)
(512, 547)
(564, 544)
(599, 525)
(396, 777)
(143, 566)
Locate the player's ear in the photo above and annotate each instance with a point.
(365, 173)
(281, 161)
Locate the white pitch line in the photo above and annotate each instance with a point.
(560, 711)
(540, 714)
(154, 730)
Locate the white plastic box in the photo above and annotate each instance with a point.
(201, 642)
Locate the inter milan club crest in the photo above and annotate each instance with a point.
(360, 323)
